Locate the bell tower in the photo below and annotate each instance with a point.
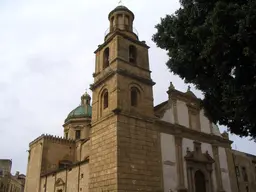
(125, 151)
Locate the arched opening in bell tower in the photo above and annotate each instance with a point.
(105, 99)
(132, 54)
(134, 96)
(106, 58)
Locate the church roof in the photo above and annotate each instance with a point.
(79, 112)
(83, 110)
(120, 8)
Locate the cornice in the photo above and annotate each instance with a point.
(176, 129)
(131, 75)
(77, 120)
(101, 80)
(126, 62)
(123, 73)
(119, 32)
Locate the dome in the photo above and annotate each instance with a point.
(80, 112)
(121, 8)
(84, 110)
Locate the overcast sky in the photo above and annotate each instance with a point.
(47, 61)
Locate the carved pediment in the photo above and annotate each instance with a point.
(59, 182)
(198, 156)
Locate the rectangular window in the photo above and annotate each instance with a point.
(245, 177)
(78, 134)
(237, 171)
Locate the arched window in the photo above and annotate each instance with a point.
(106, 58)
(200, 181)
(105, 100)
(132, 54)
(134, 96)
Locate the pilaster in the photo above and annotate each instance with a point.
(231, 168)
(215, 151)
(180, 166)
(175, 111)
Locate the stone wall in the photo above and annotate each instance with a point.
(56, 149)
(103, 156)
(34, 165)
(245, 164)
(139, 155)
(71, 179)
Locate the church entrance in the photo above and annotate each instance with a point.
(200, 181)
(199, 169)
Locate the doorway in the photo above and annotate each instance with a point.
(200, 181)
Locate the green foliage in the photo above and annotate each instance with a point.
(212, 44)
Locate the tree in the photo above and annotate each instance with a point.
(212, 44)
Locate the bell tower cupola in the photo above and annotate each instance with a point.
(121, 19)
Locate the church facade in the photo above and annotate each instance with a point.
(119, 141)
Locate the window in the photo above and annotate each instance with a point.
(106, 58)
(247, 189)
(78, 134)
(245, 177)
(59, 190)
(105, 100)
(237, 171)
(82, 175)
(132, 54)
(66, 135)
(134, 96)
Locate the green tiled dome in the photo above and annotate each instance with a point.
(83, 110)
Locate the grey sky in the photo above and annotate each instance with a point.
(47, 61)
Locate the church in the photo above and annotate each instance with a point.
(117, 140)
